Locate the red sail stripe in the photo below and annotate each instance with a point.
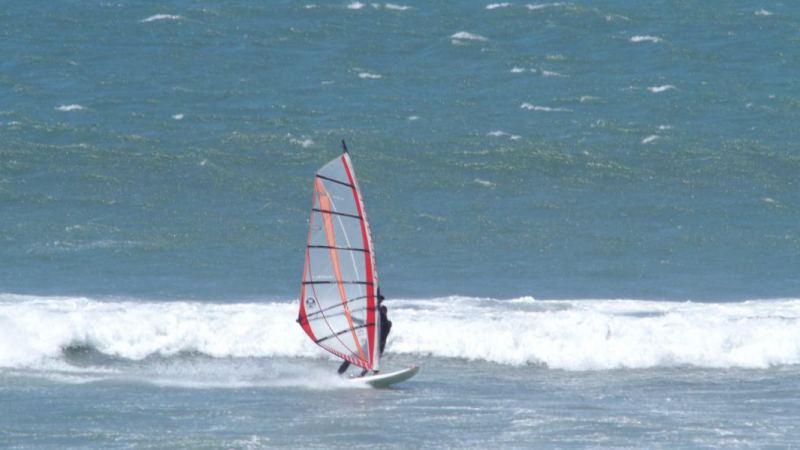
(367, 264)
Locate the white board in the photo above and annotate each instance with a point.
(384, 380)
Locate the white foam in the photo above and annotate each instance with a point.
(499, 133)
(646, 38)
(532, 107)
(369, 76)
(355, 5)
(763, 12)
(484, 183)
(517, 70)
(459, 37)
(649, 139)
(305, 143)
(413, 118)
(396, 7)
(177, 116)
(537, 6)
(548, 73)
(589, 99)
(497, 5)
(158, 17)
(658, 89)
(563, 334)
(73, 107)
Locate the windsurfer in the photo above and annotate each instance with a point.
(386, 327)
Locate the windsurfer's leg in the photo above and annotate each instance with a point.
(343, 367)
(364, 372)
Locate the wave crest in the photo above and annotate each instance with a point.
(570, 335)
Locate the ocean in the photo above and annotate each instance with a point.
(585, 220)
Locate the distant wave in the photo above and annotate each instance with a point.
(563, 334)
(157, 17)
(653, 39)
(536, 6)
(649, 139)
(484, 183)
(500, 133)
(532, 107)
(497, 5)
(355, 5)
(396, 7)
(368, 76)
(305, 143)
(461, 36)
(548, 73)
(763, 12)
(73, 107)
(658, 89)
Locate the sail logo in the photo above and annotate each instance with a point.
(310, 302)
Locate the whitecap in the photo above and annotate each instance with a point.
(763, 12)
(497, 133)
(658, 89)
(646, 38)
(395, 7)
(602, 334)
(355, 5)
(497, 5)
(649, 139)
(305, 143)
(536, 6)
(548, 73)
(368, 76)
(532, 107)
(465, 36)
(517, 70)
(73, 107)
(413, 118)
(177, 116)
(484, 183)
(157, 17)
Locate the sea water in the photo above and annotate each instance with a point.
(585, 216)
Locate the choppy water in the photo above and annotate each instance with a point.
(155, 168)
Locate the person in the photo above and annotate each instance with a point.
(386, 327)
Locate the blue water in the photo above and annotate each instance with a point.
(155, 178)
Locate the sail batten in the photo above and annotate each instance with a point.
(338, 303)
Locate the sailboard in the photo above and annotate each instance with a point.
(338, 302)
(384, 380)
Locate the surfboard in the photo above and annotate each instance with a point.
(384, 380)
(339, 288)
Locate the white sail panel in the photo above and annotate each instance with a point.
(338, 305)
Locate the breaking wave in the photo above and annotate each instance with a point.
(562, 334)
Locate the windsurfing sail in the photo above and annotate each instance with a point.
(337, 294)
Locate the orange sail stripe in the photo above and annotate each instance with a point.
(327, 220)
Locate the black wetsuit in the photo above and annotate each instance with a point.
(386, 327)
